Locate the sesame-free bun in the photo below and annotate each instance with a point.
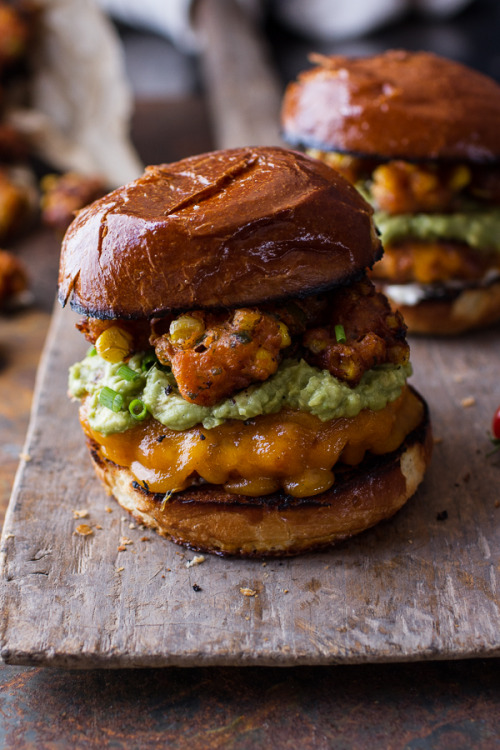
(407, 105)
(227, 228)
(208, 519)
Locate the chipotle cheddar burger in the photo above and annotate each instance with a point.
(246, 393)
(419, 136)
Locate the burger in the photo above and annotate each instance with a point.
(245, 390)
(418, 135)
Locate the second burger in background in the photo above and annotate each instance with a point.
(419, 137)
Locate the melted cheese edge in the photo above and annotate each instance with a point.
(291, 450)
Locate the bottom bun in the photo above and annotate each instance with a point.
(469, 309)
(208, 519)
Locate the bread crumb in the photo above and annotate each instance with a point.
(108, 509)
(84, 530)
(25, 456)
(124, 519)
(10, 536)
(285, 591)
(131, 526)
(145, 539)
(98, 526)
(264, 564)
(248, 592)
(119, 570)
(121, 548)
(124, 541)
(80, 513)
(197, 560)
(466, 402)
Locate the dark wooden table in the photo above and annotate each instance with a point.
(420, 706)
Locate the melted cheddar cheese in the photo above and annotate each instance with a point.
(291, 450)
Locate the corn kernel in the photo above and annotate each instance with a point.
(264, 359)
(316, 346)
(185, 327)
(114, 344)
(285, 336)
(460, 178)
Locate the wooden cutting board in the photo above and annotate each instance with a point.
(420, 586)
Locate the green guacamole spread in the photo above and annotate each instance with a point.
(475, 225)
(295, 384)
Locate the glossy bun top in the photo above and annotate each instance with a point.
(408, 105)
(227, 228)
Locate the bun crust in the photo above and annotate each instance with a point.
(209, 520)
(409, 105)
(472, 308)
(228, 228)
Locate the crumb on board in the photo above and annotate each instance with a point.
(125, 541)
(145, 539)
(25, 456)
(80, 513)
(197, 560)
(119, 570)
(465, 403)
(285, 591)
(98, 526)
(9, 536)
(108, 509)
(248, 592)
(132, 526)
(84, 529)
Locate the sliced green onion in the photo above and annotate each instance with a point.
(148, 361)
(111, 399)
(137, 409)
(340, 334)
(126, 373)
(91, 352)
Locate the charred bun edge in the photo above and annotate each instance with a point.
(207, 519)
(116, 314)
(454, 314)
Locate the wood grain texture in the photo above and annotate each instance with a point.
(412, 588)
(243, 91)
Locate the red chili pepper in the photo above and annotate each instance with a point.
(495, 425)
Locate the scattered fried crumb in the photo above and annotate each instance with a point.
(98, 526)
(124, 541)
(132, 526)
(119, 570)
(466, 402)
(121, 548)
(124, 519)
(108, 509)
(25, 456)
(264, 564)
(169, 570)
(9, 536)
(247, 617)
(197, 560)
(84, 530)
(437, 440)
(80, 514)
(248, 592)
(285, 591)
(145, 539)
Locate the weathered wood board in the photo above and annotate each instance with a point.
(414, 587)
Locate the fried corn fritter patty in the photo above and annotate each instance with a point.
(214, 354)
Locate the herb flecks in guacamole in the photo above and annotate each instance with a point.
(295, 384)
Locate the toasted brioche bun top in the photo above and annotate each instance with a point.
(227, 228)
(409, 105)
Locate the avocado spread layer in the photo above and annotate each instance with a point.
(477, 226)
(296, 385)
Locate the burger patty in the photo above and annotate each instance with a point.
(414, 261)
(292, 451)
(214, 354)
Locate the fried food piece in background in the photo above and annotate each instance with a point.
(13, 279)
(63, 195)
(17, 200)
(15, 32)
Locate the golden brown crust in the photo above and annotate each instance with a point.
(228, 228)
(473, 308)
(208, 519)
(409, 105)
